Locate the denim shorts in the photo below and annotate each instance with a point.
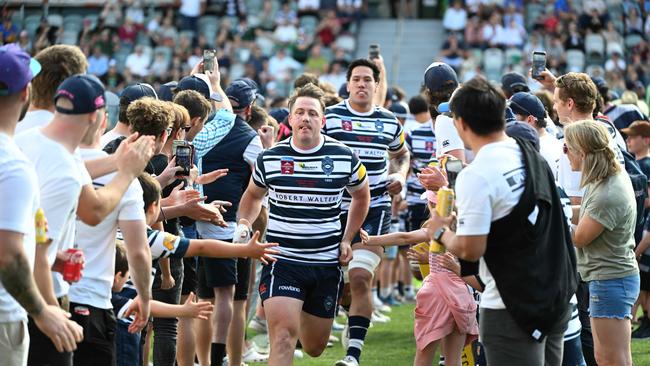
(613, 298)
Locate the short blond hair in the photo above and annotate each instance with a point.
(58, 63)
(591, 139)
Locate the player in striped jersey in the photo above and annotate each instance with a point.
(371, 132)
(421, 143)
(305, 177)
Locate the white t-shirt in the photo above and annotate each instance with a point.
(60, 178)
(190, 8)
(487, 190)
(19, 197)
(37, 118)
(447, 137)
(108, 137)
(551, 149)
(209, 230)
(98, 242)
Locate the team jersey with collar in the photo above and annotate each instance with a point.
(305, 189)
(370, 136)
(421, 143)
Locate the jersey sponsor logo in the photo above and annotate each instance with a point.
(168, 241)
(428, 145)
(445, 143)
(288, 288)
(346, 125)
(287, 197)
(327, 165)
(379, 126)
(262, 288)
(365, 138)
(369, 152)
(308, 183)
(516, 178)
(81, 310)
(307, 167)
(286, 165)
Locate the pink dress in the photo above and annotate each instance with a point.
(444, 301)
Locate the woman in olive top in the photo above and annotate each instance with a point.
(604, 238)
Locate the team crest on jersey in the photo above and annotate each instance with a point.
(428, 145)
(346, 125)
(328, 165)
(286, 165)
(379, 126)
(168, 241)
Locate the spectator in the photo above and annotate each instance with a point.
(282, 66)
(160, 66)
(328, 29)
(286, 15)
(128, 32)
(335, 75)
(633, 22)
(592, 19)
(286, 32)
(511, 36)
(105, 42)
(190, 11)
(24, 42)
(138, 62)
(113, 79)
(300, 48)
(135, 11)
(455, 17)
(453, 51)
(611, 35)
(8, 30)
(167, 33)
(316, 62)
(111, 14)
(473, 33)
(98, 62)
(615, 63)
(491, 28)
(574, 40)
(308, 7)
(513, 13)
(267, 18)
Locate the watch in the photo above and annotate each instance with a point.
(437, 235)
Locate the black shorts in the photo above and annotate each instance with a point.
(223, 272)
(41, 348)
(243, 277)
(377, 222)
(190, 278)
(645, 280)
(98, 346)
(416, 215)
(319, 287)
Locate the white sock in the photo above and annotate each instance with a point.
(385, 292)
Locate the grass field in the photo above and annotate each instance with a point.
(392, 344)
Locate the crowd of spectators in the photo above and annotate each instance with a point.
(607, 39)
(268, 41)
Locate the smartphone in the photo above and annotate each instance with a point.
(453, 167)
(539, 64)
(373, 51)
(208, 59)
(184, 153)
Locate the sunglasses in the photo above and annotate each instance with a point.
(169, 131)
(186, 128)
(565, 149)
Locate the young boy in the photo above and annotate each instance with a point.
(165, 245)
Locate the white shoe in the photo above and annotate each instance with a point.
(337, 327)
(345, 336)
(347, 361)
(333, 338)
(298, 354)
(379, 305)
(251, 355)
(258, 325)
(378, 317)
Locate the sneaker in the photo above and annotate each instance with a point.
(378, 317)
(643, 331)
(390, 301)
(251, 355)
(298, 354)
(345, 336)
(347, 361)
(337, 327)
(333, 338)
(379, 305)
(258, 325)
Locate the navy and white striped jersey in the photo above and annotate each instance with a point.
(421, 143)
(370, 135)
(305, 191)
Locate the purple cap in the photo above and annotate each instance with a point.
(85, 92)
(17, 69)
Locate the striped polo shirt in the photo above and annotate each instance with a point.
(305, 190)
(421, 143)
(370, 135)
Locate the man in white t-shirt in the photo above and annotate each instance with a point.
(19, 295)
(529, 109)
(90, 298)
(79, 104)
(488, 190)
(58, 63)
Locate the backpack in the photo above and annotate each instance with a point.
(639, 182)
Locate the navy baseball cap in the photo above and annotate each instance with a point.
(527, 104)
(514, 82)
(17, 69)
(280, 114)
(137, 91)
(199, 83)
(166, 91)
(343, 91)
(440, 76)
(85, 92)
(399, 110)
(523, 130)
(243, 92)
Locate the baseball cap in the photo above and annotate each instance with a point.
(440, 76)
(85, 92)
(524, 131)
(166, 91)
(399, 110)
(199, 83)
(243, 91)
(514, 82)
(637, 128)
(279, 114)
(17, 69)
(137, 91)
(527, 104)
